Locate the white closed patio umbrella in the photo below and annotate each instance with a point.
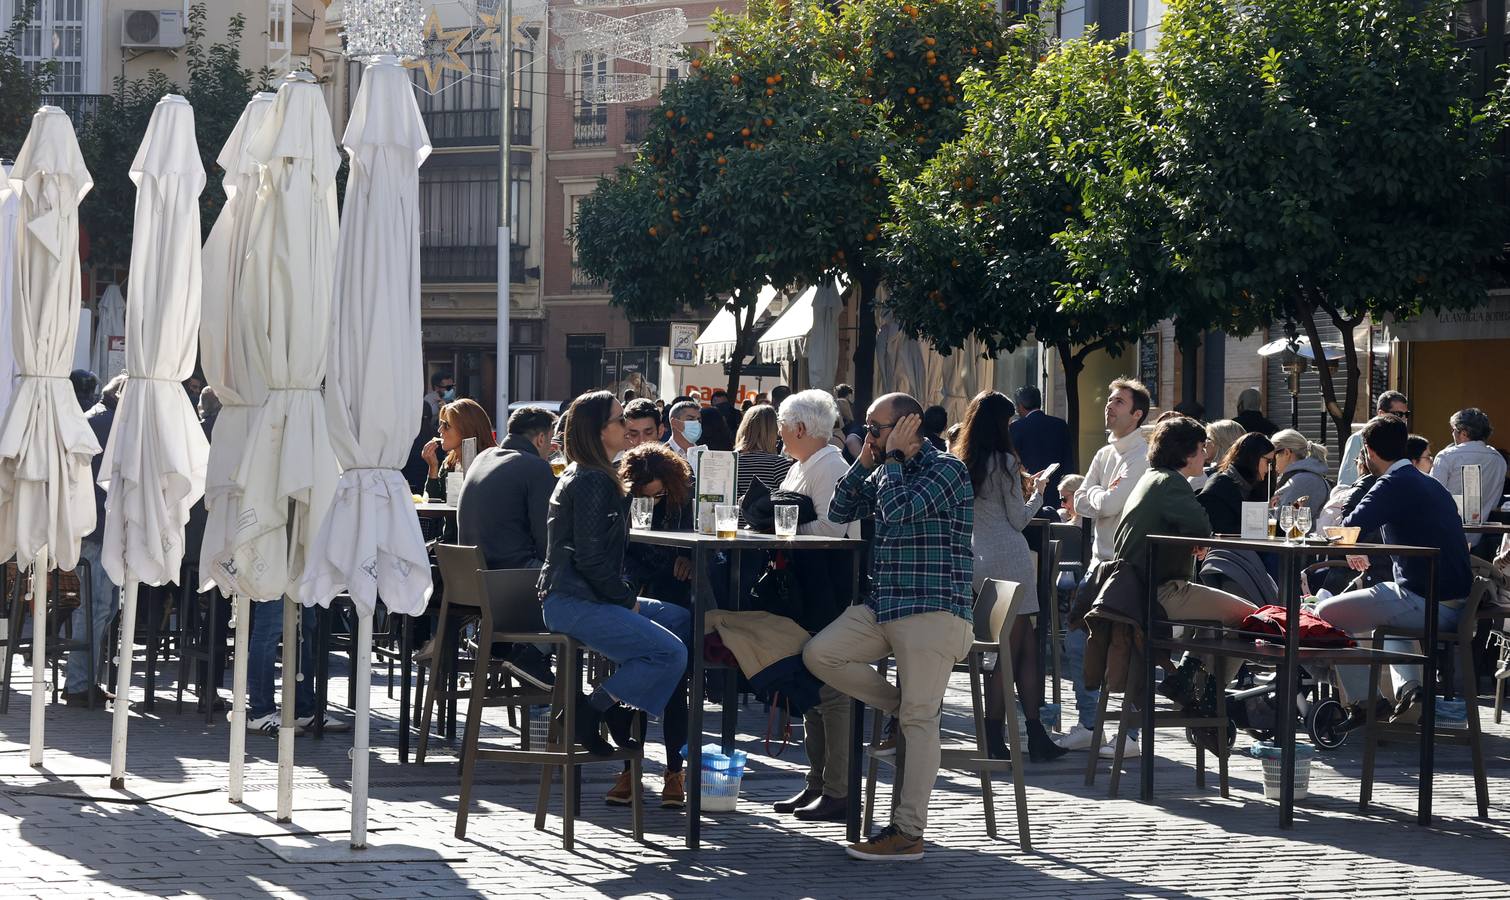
(10, 208)
(109, 324)
(225, 358)
(46, 495)
(823, 340)
(287, 472)
(154, 465)
(370, 543)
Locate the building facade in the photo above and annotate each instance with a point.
(588, 342)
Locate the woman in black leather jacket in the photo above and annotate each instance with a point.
(1241, 477)
(582, 584)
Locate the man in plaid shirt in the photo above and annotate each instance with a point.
(918, 608)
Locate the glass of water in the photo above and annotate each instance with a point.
(786, 520)
(641, 510)
(1303, 520)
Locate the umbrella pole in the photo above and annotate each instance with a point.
(38, 655)
(359, 752)
(238, 694)
(286, 726)
(125, 652)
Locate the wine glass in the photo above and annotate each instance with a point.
(1303, 520)
(1286, 520)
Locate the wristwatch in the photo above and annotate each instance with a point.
(897, 456)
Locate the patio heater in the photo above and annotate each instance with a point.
(1296, 356)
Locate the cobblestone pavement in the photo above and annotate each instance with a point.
(1189, 843)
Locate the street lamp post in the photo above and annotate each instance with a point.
(505, 185)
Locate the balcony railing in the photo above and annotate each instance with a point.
(590, 127)
(476, 127)
(581, 283)
(80, 107)
(637, 121)
(468, 265)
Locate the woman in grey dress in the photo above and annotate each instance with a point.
(1002, 510)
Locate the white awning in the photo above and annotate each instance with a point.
(716, 344)
(786, 340)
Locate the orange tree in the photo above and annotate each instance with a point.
(1326, 160)
(1043, 220)
(765, 166)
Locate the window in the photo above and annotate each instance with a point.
(1144, 28)
(459, 219)
(1070, 23)
(590, 125)
(55, 33)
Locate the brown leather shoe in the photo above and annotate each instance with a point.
(792, 804)
(622, 792)
(824, 809)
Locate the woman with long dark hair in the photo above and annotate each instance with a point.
(1002, 510)
(583, 588)
(1240, 477)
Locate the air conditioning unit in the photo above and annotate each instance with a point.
(152, 29)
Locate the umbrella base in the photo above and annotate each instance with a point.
(380, 849)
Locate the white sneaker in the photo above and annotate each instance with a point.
(1130, 749)
(1077, 738)
(269, 725)
(308, 721)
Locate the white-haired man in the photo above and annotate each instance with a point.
(806, 421)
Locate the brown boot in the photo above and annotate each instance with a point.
(622, 792)
(674, 790)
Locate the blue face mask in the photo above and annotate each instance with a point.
(692, 430)
(449, 394)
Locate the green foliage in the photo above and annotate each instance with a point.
(1324, 156)
(999, 236)
(218, 89)
(20, 92)
(765, 165)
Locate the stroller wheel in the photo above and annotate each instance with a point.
(1322, 721)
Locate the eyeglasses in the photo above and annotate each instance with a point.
(1402, 413)
(874, 430)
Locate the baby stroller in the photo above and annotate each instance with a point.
(1252, 703)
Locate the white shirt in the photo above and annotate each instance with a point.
(1447, 468)
(1124, 458)
(817, 478)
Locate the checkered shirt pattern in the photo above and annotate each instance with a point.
(923, 510)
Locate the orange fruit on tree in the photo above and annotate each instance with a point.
(770, 92)
(697, 64)
(911, 89)
(723, 160)
(744, 132)
(735, 79)
(709, 135)
(890, 54)
(682, 120)
(652, 231)
(929, 41)
(704, 229)
(670, 113)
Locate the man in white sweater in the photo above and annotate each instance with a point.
(1113, 472)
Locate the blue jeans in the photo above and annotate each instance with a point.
(262, 659)
(1086, 702)
(104, 601)
(1385, 604)
(650, 646)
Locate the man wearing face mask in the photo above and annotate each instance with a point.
(686, 430)
(442, 391)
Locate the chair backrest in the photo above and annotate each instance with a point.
(1071, 540)
(995, 607)
(459, 565)
(513, 599)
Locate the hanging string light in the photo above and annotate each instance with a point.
(377, 28)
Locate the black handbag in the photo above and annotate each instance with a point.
(777, 592)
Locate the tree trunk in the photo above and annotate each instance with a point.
(1190, 349)
(744, 336)
(1341, 415)
(1072, 365)
(865, 343)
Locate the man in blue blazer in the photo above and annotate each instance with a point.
(1041, 439)
(1410, 509)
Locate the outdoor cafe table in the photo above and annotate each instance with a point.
(702, 546)
(1293, 557)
